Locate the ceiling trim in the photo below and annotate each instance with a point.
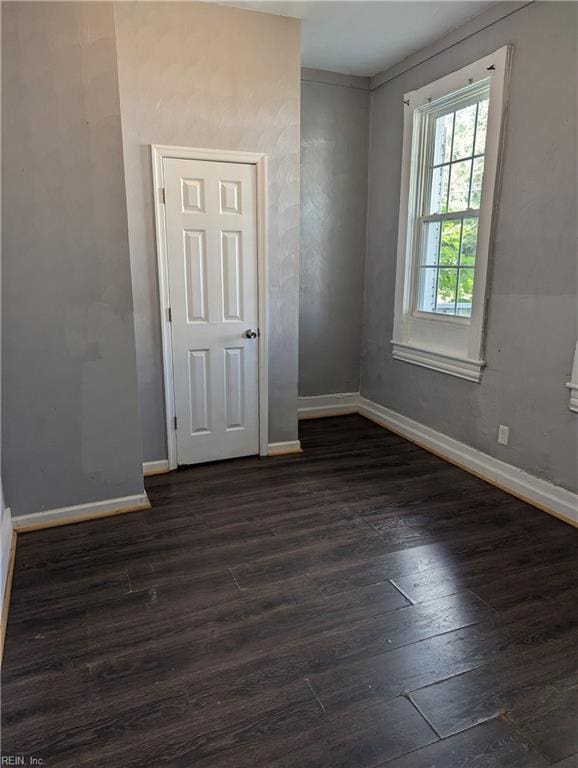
(476, 25)
(325, 77)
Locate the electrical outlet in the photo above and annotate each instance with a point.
(503, 434)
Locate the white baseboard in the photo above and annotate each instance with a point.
(6, 540)
(318, 406)
(550, 498)
(65, 515)
(155, 467)
(280, 449)
(6, 534)
(7, 556)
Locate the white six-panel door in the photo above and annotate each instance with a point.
(212, 263)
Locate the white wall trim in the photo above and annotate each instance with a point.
(7, 557)
(158, 153)
(573, 383)
(461, 367)
(319, 406)
(541, 493)
(324, 77)
(281, 449)
(6, 535)
(155, 467)
(5, 538)
(64, 515)
(573, 396)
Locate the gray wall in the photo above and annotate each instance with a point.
(334, 143)
(208, 76)
(70, 426)
(531, 329)
(5, 521)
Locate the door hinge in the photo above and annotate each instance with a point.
(175, 422)
(169, 315)
(163, 195)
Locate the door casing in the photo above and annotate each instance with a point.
(158, 153)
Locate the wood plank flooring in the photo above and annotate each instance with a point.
(359, 605)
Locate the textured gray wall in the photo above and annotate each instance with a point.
(532, 307)
(70, 425)
(5, 522)
(334, 142)
(200, 75)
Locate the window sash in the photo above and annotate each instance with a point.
(468, 213)
(429, 115)
(420, 266)
(429, 118)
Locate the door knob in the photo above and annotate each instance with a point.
(251, 334)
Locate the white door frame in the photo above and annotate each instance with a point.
(158, 153)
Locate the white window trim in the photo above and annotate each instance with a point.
(450, 344)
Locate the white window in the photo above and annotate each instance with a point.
(452, 137)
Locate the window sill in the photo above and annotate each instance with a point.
(573, 383)
(461, 367)
(573, 396)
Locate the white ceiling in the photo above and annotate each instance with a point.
(363, 37)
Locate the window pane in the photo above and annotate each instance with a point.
(443, 138)
(465, 292)
(439, 190)
(477, 176)
(427, 289)
(464, 132)
(450, 242)
(460, 185)
(482, 127)
(431, 244)
(446, 293)
(469, 242)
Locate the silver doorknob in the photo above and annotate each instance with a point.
(251, 334)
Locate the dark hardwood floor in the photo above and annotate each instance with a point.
(359, 605)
